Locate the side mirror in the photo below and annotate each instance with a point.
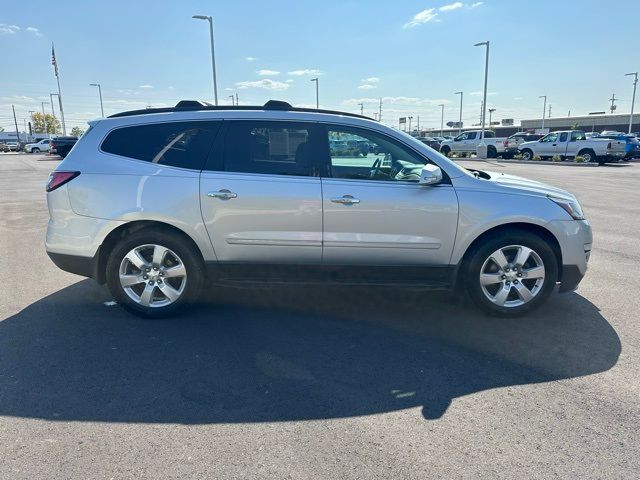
(430, 175)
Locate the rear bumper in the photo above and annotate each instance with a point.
(84, 266)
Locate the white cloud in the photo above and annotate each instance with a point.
(451, 6)
(35, 31)
(146, 87)
(475, 5)
(265, 83)
(476, 93)
(370, 80)
(289, 80)
(171, 87)
(250, 59)
(8, 29)
(408, 101)
(367, 86)
(267, 72)
(425, 16)
(306, 71)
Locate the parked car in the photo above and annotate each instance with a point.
(41, 146)
(632, 145)
(13, 146)
(467, 142)
(431, 142)
(4, 147)
(157, 222)
(569, 143)
(512, 143)
(62, 145)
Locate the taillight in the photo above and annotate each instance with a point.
(57, 179)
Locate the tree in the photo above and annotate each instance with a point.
(77, 132)
(46, 123)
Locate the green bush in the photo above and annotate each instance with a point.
(517, 156)
(537, 158)
(556, 158)
(579, 159)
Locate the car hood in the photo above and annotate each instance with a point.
(525, 185)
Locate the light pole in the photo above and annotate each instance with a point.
(99, 93)
(491, 110)
(213, 56)
(53, 112)
(410, 118)
(43, 104)
(633, 99)
(460, 122)
(544, 108)
(231, 97)
(482, 147)
(442, 120)
(361, 108)
(317, 97)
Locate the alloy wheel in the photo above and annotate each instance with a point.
(512, 276)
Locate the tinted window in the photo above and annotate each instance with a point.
(376, 157)
(471, 136)
(489, 135)
(276, 148)
(578, 135)
(177, 144)
(563, 136)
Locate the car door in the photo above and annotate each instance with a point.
(547, 145)
(260, 193)
(574, 145)
(562, 145)
(376, 213)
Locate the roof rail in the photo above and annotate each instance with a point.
(196, 105)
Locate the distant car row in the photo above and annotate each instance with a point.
(57, 145)
(602, 147)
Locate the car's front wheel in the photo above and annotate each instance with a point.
(511, 273)
(35, 150)
(154, 273)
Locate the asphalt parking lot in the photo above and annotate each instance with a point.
(320, 383)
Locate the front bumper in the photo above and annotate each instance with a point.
(575, 239)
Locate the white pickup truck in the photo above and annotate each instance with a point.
(468, 142)
(569, 143)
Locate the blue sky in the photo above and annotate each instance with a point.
(413, 54)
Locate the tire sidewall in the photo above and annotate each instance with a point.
(477, 258)
(193, 266)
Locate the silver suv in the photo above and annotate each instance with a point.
(158, 203)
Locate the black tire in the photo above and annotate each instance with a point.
(481, 253)
(527, 154)
(195, 272)
(492, 152)
(35, 150)
(589, 156)
(445, 150)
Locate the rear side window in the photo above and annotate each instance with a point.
(175, 144)
(273, 148)
(489, 135)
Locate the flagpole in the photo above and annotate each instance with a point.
(54, 62)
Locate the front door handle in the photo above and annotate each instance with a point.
(346, 200)
(223, 194)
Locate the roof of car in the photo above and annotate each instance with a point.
(195, 105)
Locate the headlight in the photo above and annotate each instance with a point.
(572, 207)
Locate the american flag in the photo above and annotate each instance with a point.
(53, 60)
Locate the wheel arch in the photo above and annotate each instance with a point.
(128, 228)
(531, 228)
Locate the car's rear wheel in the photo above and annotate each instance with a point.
(154, 273)
(445, 150)
(35, 150)
(588, 155)
(511, 273)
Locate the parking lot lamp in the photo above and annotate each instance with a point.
(43, 104)
(317, 97)
(100, 94)
(213, 56)
(441, 119)
(544, 108)
(460, 121)
(482, 147)
(361, 108)
(491, 110)
(633, 99)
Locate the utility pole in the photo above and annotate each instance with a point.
(361, 108)
(16, 124)
(53, 112)
(633, 99)
(460, 121)
(613, 99)
(544, 108)
(380, 111)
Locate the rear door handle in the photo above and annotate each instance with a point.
(223, 194)
(346, 200)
